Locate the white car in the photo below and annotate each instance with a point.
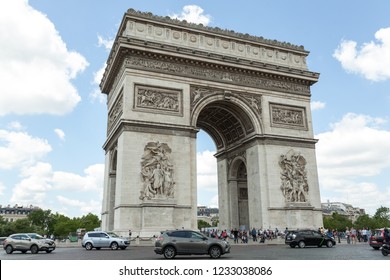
(102, 239)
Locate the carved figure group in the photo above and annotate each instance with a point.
(294, 180)
(156, 172)
(153, 98)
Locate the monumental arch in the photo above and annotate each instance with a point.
(165, 80)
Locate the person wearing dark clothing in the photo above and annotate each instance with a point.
(235, 235)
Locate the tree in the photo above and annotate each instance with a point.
(382, 217)
(337, 221)
(41, 219)
(89, 222)
(203, 224)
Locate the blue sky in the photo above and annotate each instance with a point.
(53, 116)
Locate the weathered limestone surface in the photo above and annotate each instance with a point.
(166, 79)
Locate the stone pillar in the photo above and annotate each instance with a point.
(223, 196)
(257, 187)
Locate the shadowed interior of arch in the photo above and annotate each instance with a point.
(225, 122)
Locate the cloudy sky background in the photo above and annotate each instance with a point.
(53, 116)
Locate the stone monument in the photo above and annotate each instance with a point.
(165, 80)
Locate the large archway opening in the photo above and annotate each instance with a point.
(223, 126)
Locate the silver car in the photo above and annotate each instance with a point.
(24, 242)
(102, 239)
(189, 242)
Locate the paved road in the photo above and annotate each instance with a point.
(360, 251)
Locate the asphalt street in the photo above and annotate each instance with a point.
(360, 251)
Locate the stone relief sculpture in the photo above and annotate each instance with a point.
(157, 172)
(115, 112)
(159, 99)
(294, 180)
(290, 116)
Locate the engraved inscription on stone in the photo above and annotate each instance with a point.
(157, 172)
(163, 100)
(288, 116)
(294, 179)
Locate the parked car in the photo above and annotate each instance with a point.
(188, 242)
(24, 242)
(376, 238)
(303, 238)
(102, 239)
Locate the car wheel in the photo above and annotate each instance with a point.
(215, 252)
(88, 246)
(301, 244)
(292, 245)
(329, 244)
(34, 249)
(384, 252)
(169, 252)
(9, 249)
(114, 246)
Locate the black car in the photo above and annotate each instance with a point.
(308, 237)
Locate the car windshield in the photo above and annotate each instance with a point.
(112, 234)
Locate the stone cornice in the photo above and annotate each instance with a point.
(225, 70)
(146, 127)
(268, 139)
(200, 27)
(155, 33)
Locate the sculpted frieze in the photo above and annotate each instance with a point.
(197, 93)
(158, 99)
(157, 172)
(202, 72)
(115, 112)
(294, 184)
(288, 116)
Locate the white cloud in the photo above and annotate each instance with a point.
(40, 184)
(85, 207)
(194, 14)
(96, 94)
(207, 179)
(107, 43)
(372, 60)
(60, 133)
(15, 125)
(2, 188)
(317, 105)
(18, 149)
(36, 67)
(351, 158)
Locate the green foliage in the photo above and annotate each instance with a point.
(340, 222)
(382, 217)
(337, 222)
(46, 223)
(203, 224)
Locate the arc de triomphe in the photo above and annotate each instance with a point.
(166, 79)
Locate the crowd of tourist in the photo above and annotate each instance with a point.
(243, 235)
(351, 235)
